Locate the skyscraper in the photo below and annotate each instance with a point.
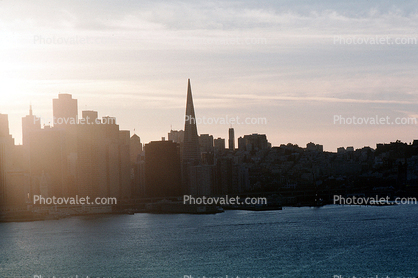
(231, 140)
(219, 144)
(64, 110)
(177, 136)
(191, 149)
(65, 114)
(135, 148)
(30, 123)
(4, 125)
(162, 169)
(48, 158)
(14, 182)
(206, 143)
(103, 167)
(6, 143)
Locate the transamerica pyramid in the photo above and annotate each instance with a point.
(191, 149)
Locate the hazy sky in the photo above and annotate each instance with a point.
(291, 62)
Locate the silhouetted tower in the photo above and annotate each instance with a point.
(231, 140)
(64, 110)
(30, 123)
(65, 114)
(191, 149)
(162, 169)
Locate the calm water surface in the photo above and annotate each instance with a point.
(294, 242)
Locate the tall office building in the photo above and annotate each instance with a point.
(242, 144)
(219, 144)
(4, 125)
(177, 136)
(103, 158)
(162, 169)
(191, 149)
(91, 159)
(64, 110)
(255, 142)
(136, 148)
(65, 114)
(231, 140)
(206, 143)
(89, 117)
(5, 145)
(14, 181)
(30, 123)
(48, 159)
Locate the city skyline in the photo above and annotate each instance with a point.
(214, 138)
(88, 119)
(295, 64)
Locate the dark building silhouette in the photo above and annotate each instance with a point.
(135, 148)
(242, 144)
(137, 166)
(6, 144)
(190, 152)
(177, 136)
(231, 140)
(201, 179)
(315, 147)
(162, 169)
(125, 189)
(253, 142)
(103, 158)
(206, 143)
(191, 149)
(219, 144)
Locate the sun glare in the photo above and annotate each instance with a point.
(11, 92)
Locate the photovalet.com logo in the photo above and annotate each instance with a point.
(225, 120)
(374, 120)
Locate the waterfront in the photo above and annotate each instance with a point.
(294, 242)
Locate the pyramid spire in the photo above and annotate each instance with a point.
(191, 149)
